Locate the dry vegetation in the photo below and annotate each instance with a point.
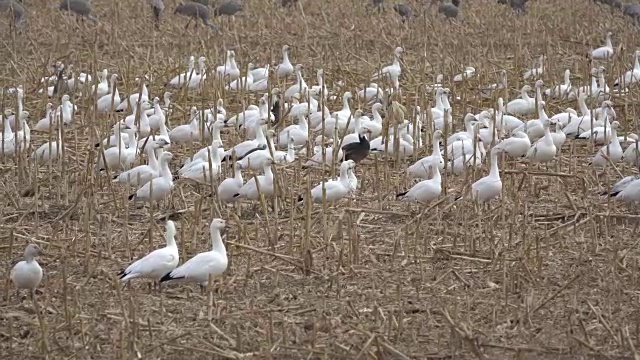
(548, 271)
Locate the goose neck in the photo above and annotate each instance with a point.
(344, 175)
(216, 242)
(166, 172)
(494, 172)
(151, 154)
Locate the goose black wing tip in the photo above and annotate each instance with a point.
(168, 277)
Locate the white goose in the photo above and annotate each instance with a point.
(325, 155)
(299, 132)
(299, 87)
(525, 105)
(490, 186)
(630, 77)
(157, 263)
(157, 188)
(420, 169)
(369, 93)
(612, 151)
(48, 152)
(561, 91)
(120, 156)
(229, 71)
(468, 72)
(27, 274)
(516, 146)
(184, 77)
(110, 101)
(102, 88)
(187, 133)
(537, 70)
(250, 189)
(285, 68)
(142, 174)
(334, 190)
(230, 186)
(604, 52)
(544, 150)
(201, 170)
(425, 190)
(198, 268)
(242, 83)
(393, 71)
(48, 122)
(135, 97)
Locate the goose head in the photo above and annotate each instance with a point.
(398, 51)
(160, 143)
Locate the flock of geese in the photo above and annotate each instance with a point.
(344, 137)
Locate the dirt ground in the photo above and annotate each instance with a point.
(549, 271)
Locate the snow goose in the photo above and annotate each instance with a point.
(299, 132)
(27, 274)
(196, 81)
(500, 85)
(537, 69)
(421, 168)
(525, 105)
(580, 124)
(135, 97)
(619, 186)
(158, 121)
(468, 72)
(436, 84)
(310, 106)
(333, 190)
(321, 88)
(612, 151)
(142, 174)
(405, 145)
(375, 124)
(23, 134)
(262, 84)
(393, 71)
(630, 155)
(187, 133)
(558, 136)
(565, 117)
(119, 156)
(590, 90)
(506, 123)
(157, 188)
(110, 101)
(8, 141)
(370, 93)
(250, 189)
(48, 122)
(442, 98)
(355, 136)
(244, 82)
(490, 186)
(604, 52)
(561, 91)
(229, 71)
(143, 122)
(102, 88)
(184, 77)
(204, 153)
(598, 135)
(259, 74)
(603, 92)
(630, 192)
(157, 263)
(286, 157)
(246, 147)
(325, 155)
(358, 151)
(285, 68)
(466, 156)
(198, 268)
(345, 112)
(299, 87)
(469, 124)
(66, 109)
(14, 118)
(543, 150)
(203, 170)
(630, 77)
(48, 152)
(425, 190)
(516, 146)
(263, 117)
(230, 186)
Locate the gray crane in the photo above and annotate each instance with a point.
(228, 8)
(448, 9)
(158, 8)
(16, 10)
(82, 8)
(195, 11)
